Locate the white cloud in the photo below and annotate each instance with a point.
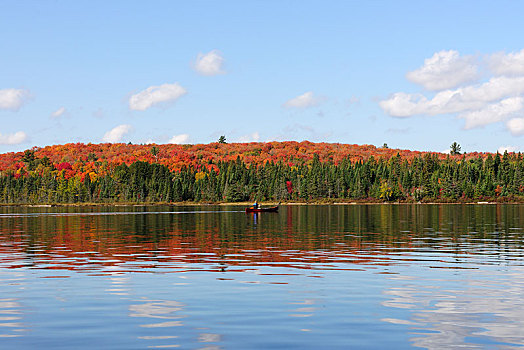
(401, 104)
(117, 133)
(59, 112)
(493, 113)
(303, 101)
(13, 99)
(516, 126)
(507, 64)
(473, 97)
(444, 70)
(13, 139)
(254, 137)
(179, 139)
(154, 95)
(503, 149)
(210, 63)
(498, 98)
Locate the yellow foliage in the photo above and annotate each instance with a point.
(386, 192)
(200, 176)
(93, 176)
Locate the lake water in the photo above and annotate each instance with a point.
(308, 277)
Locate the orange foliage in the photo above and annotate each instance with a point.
(78, 159)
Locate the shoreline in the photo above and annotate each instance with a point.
(246, 204)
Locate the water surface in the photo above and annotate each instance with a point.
(308, 277)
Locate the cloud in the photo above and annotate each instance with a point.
(473, 97)
(503, 149)
(179, 139)
(154, 95)
(58, 113)
(509, 64)
(444, 70)
(516, 126)
(303, 101)
(13, 99)
(210, 63)
(401, 104)
(493, 113)
(115, 135)
(254, 137)
(496, 99)
(13, 139)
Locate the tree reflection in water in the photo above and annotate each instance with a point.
(449, 275)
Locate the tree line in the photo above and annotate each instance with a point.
(423, 178)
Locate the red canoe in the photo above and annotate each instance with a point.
(261, 210)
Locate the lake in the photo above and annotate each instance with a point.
(308, 277)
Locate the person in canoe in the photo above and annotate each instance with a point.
(255, 208)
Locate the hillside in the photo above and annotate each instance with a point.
(176, 156)
(304, 171)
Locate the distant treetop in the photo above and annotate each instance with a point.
(455, 148)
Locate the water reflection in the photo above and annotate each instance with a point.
(11, 310)
(166, 311)
(305, 310)
(119, 284)
(482, 309)
(191, 277)
(10, 318)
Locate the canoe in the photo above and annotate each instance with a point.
(262, 210)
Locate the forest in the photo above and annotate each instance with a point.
(275, 171)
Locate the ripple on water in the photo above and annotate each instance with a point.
(307, 277)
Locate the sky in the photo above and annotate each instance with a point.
(415, 75)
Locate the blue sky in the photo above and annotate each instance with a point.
(413, 74)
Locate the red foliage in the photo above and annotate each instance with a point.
(64, 166)
(77, 159)
(289, 186)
